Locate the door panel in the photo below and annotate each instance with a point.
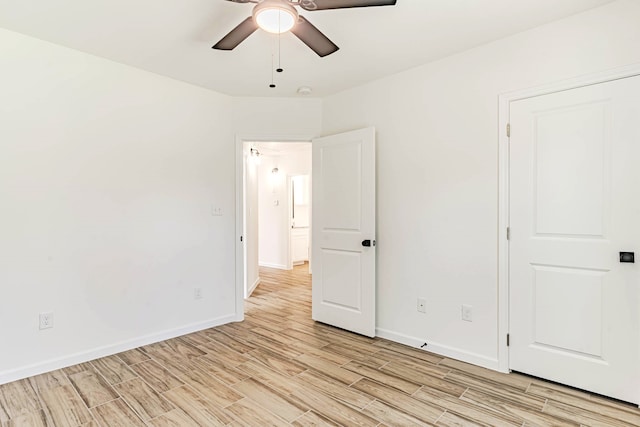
(571, 204)
(574, 205)
(343, 216)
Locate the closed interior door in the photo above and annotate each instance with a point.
(574, 207)
(343, 248)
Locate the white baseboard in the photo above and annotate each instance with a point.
(440, 349)
(253, 287)
(108, 350)
(270, 265)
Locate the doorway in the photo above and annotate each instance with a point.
(273, 176)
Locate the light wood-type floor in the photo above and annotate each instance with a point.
(278, 367)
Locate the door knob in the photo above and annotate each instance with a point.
(624, 257)
(368, 243)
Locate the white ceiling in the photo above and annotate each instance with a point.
(174, 37)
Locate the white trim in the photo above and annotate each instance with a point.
(504, 102)
(96, 353)
(253, 287)
(442, 350)
(271, 265)
(239, 244)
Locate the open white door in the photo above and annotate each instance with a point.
(574, 286)
(343, 233)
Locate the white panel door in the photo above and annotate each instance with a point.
(343, 234)
(574, 206)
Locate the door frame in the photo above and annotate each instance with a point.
(240, 139)
(504, 101)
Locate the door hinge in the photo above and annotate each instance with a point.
(241, 239)
(508, 233)
(507, 340)
(508, 129)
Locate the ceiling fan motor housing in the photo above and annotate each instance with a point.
(275, 16)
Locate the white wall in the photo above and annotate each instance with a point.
(277, 119)
(437, 142)
(274, 219)
(108, 175)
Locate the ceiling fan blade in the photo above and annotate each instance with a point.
(313, 37)
(237, 35)
(343, 4)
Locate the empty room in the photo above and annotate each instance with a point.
(319, 213)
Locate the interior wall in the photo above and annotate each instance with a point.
(273, 204)
(108, 180)
(437, 171)
(277, 119)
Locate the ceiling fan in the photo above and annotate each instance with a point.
(280, 16)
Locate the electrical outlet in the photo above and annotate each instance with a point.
(422, 305)
(46, 320)
(197, 293)
(467, 313)
(216, 211)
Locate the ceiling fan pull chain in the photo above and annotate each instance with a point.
(272, 85)
(279, 69)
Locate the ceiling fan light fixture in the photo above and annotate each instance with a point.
(275, 16)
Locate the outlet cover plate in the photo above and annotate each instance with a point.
(467, 313)
(422, 305)
(46, 320)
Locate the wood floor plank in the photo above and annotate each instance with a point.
(174, 418)
(131, 357)
(211, 388)
(156, 376)
(64, 407)
(227, 374)
(592, 419)
(18, 398)
(492, 415)
(48, 380)
(81, 367)
(144, 400)
(382, 377)
(229, 341)
(334, 389)
(452, 420)
(200, 410)
(287, 408)
(372, 359)
(250, 413)
(279, 364)
(116, 414)
(223, 354)
(554, 394)
(393, 397)
(258, 371)
(332, 409)
(311, 419)
(392, 416)
(516, 381)
(196, 338)
(92, 388)
(329, 369)
(31, 419)
(113, 369)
